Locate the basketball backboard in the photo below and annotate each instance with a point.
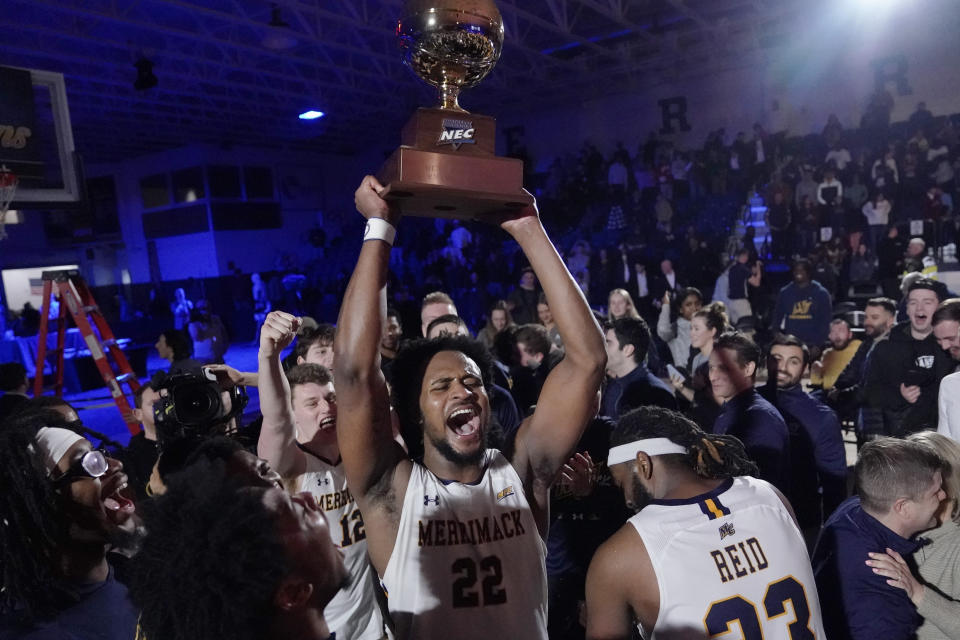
(36, 139)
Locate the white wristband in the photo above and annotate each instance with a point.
(379, 229)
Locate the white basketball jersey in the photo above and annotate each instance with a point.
(468, 562)
(353, 613)
(730, 563)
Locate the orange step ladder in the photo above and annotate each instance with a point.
(77, 301)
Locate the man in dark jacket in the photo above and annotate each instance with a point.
(803, 308)
(631, 384)
(745, 414)
(903, 372)
(899, 483)
(817, 456)
(879, 318)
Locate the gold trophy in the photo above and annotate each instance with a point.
(446, 165)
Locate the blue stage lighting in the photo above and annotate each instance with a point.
(311, 115)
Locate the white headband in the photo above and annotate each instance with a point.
(650, 446)
(53, 444)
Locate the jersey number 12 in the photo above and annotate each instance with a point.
(358, 532)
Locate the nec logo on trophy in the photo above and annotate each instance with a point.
(456, 133)
(446, 165)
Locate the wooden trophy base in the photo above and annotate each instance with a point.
(446, 168)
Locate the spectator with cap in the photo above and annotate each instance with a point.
(903, 372)
(917, 261)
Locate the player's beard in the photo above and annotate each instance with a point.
(445, 449)
(639, 496)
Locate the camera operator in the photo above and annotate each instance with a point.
(191, 407)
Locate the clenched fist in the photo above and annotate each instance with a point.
(279, 330)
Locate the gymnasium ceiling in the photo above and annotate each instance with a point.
(220, 80)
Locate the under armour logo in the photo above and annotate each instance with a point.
(435, 500)
(323, 481)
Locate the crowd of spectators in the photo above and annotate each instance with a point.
(683, 257)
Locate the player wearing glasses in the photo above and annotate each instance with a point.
(62, 504)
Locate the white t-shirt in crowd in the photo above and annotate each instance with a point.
(949, 403)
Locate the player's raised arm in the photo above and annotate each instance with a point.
(568, 398)
(370, 455)
(278, 439)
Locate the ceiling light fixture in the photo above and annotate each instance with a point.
(279, 36)
(311, 115)
(145, 77)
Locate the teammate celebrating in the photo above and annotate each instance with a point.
(457, 533)
(709, 548)
(299, 440)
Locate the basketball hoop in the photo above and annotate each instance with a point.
(8, 188)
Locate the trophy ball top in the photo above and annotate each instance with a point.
(450, 44)
(485, 8)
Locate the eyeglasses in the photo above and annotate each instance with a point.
(92, 464)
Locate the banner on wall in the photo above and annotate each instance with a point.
(19, 145)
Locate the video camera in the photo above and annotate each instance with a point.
(194, 404)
